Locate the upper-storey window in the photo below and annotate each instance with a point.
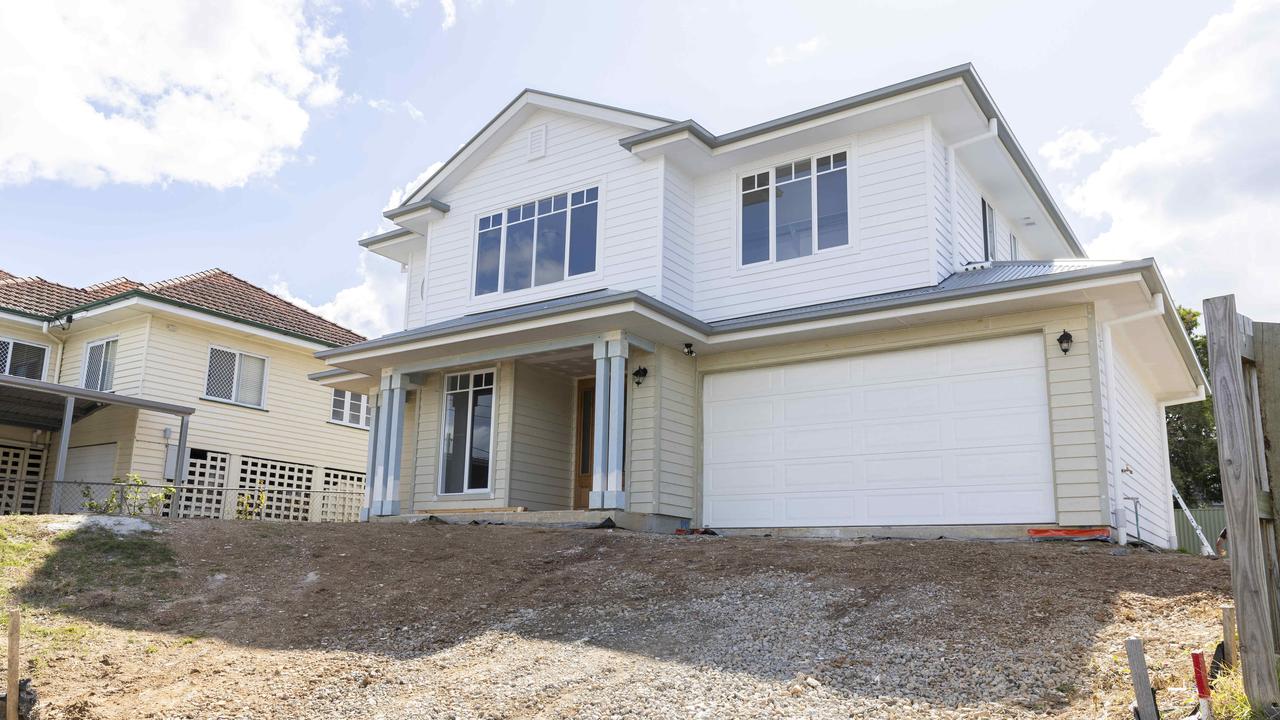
(795, 209)
(988, 230)
(236, 377)
(100, 365)
(22, 359)
(537, 243)
(351, 409)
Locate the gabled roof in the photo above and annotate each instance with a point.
(215, 292)
(414, 200)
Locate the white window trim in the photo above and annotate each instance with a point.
(850, 168)
(44, 370)
(235, 378)
(444, 408)
(347, 410)
(84, 365)
(988, 229)
(500, 294)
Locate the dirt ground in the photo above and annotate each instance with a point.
(256, 620)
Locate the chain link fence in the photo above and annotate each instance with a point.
(256, 502)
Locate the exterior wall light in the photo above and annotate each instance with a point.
(1064, 342)
(640, 374)
(688, 350)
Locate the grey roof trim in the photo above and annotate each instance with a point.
(965, 72)
(844, 308)
(572, 303)
(423, 204)
(332, 372)
(384, 237)
(93, 395)
(502, 112)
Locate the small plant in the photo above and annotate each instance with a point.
(249, 505)
(128, 496)
(1229, 700)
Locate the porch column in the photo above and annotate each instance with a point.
(384, 481)
(614, 497)
(375, 420)
(600, 441)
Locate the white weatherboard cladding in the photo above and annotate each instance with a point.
(1139, 446)
(88, 464)
(890, 246)
(579, 153)
(955, 434)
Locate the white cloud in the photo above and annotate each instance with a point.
(781, 54)
(405, 6)
(450, 9)
(414, 112)
(373, 307)
(400, 194)
(143, 92)
(1201, 192)
(1064, 151)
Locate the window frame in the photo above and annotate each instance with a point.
(8, 362)
(488, 489)
(812, 157)
(84, 366)
(473, 262)
(235, 378)
(988, 230)
(1013, 246)
(366, 415)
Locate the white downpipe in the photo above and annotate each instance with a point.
(56, 375)
(1156, 310)
(991, 132)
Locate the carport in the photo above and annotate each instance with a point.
(53, 407)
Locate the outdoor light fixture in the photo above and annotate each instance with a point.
(688, 350)
(640, 374)
(64, 322)
(1064, 342)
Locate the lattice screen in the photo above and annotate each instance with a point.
(342, 497)
(20, 474)
(203, 492)
(222, 374)
(287, 487)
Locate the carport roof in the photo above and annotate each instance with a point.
(39, 405)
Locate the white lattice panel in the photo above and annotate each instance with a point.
(203, 492)
(222, 374)
(287, 487)
(20, 473)
(342, 497)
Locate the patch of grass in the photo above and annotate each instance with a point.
(1228, 698)
(98, 560)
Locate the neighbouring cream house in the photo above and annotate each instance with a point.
(234, 353)
(866, 317)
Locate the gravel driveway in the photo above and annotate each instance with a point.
(418, 621)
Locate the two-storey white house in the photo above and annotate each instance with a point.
(870, 314)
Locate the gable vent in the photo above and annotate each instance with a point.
(538, 142)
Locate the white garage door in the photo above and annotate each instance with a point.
(953, 435)
(91, 464)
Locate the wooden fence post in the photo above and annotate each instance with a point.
(11, 701)
(1143, 695)
(1229, 647)
(1240, 488)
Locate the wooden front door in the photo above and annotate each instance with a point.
(584, 460)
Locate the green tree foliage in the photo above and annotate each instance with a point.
(1193, 436)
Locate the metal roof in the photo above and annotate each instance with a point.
(39, 405)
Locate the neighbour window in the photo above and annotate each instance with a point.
(99, 365)
(806, 211)
(22, 359)
(1013, 247)
(351, 409)
(236, 377)
(537, 243)
(988, 231)
(468, 426)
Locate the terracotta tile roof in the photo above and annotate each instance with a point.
(216, 291)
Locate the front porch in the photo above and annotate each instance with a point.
(564, 429)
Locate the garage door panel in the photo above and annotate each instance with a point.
(946, 435)
(819, 476)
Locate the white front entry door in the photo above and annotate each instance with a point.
(945, 435)
(94, 464)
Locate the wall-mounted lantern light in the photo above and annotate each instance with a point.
(640, 374)
(1064, 342)
(688, 350)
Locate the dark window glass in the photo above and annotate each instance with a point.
(560, 202)
(833, 210)
(456, 412)
(481, 417)
(755, 226)
(582, 239)
(519, 268)
(794, 213)
(26, 361)
(593, 194)
(550, 253)
(488, 254)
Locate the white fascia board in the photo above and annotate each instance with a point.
(21, 319)
(401, 248)
(146, 304)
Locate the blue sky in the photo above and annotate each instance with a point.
(272, 139)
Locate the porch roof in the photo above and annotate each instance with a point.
(40, 405)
